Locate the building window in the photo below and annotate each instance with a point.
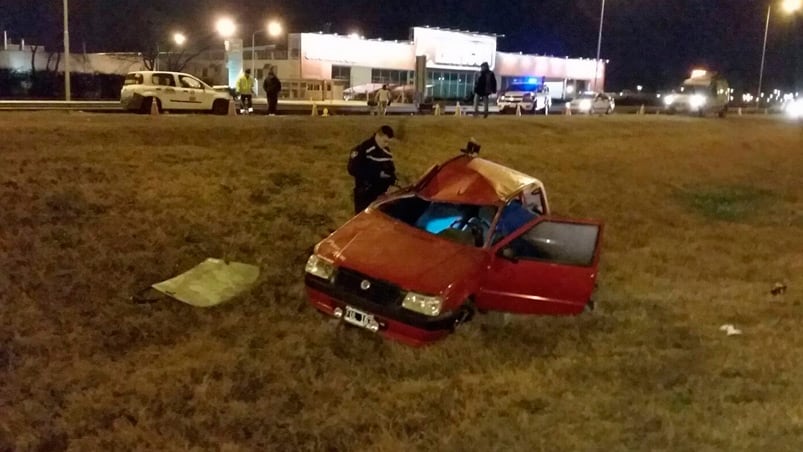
(341, 73)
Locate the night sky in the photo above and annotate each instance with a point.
(654, 43)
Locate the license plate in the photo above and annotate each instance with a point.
(360, 319)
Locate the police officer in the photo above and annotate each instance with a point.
(371, 165)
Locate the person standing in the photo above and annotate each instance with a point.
(272, 86)
(371, 165)
(245, 88)
(383, 99)
(484, 87)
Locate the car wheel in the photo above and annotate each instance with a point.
(220, 107)
(723, 113)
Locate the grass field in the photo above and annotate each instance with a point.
(702, 218)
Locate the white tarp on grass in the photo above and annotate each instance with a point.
(210, 283)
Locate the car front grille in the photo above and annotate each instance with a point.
(378, 291)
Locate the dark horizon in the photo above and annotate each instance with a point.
(649, 44)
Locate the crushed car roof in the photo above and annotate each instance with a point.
(472, 180)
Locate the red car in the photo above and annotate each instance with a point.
(471, 235)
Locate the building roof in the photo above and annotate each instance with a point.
(472, 180)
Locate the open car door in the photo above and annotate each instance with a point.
(547, 266)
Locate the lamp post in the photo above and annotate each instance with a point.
(66, 51)
(599, 45)
(274, 29)
(789, 6)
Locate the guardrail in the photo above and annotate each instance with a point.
(334, 107)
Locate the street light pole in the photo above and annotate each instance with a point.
(763, 54)
(253, 60)
(599, 46)
(66, 52)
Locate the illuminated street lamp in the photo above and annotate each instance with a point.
(179, 39)
(225, 27)
(789, 7)
(274, 30)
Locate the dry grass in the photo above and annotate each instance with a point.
(703, 217)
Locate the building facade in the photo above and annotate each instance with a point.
(331, 66)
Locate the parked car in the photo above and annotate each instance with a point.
(470, 236)
(592, 102)
(531, 98)
(175, 91)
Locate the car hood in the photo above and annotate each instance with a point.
(381, 247)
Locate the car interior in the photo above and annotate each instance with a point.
(464, 223)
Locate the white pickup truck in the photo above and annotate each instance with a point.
(172, 91)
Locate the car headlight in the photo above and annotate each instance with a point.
(320, 267)
(669, 100)
(795, 109)
(423, 304)
(585, 104)
(697, 101)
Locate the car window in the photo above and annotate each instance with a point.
(534, 201)
(163, 80)
(133, 79)
(558, 242)
(190, 82)
(514, 215)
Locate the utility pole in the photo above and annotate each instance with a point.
(66, 51)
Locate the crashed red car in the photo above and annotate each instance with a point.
(470, 236)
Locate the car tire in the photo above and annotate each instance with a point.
(220, 107)
(723, 113)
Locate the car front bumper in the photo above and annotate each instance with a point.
(394, 322)
(511, 105)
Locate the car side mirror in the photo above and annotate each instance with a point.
(509, 254)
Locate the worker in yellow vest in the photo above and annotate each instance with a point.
(245, 89)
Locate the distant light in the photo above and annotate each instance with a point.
(354, 35)
(569, 89)
(275, 28)
(698, 73)
(658, 95)
(225, 27)
(532, 80)
(179, 39)
(791, 6)
(639, 88)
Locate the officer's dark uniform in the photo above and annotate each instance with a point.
(373, 171)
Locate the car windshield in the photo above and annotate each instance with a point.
(586, 96)
(462, 223)
(695, 89)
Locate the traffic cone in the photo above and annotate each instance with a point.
(457, 111)
(518, 110)
(232, 109)
(314, 111)
(568, 109)
(325, 112)
(641, 109)
(739, 111)
(437, 111)
(154, 107)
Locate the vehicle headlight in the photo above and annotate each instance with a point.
(668, 100)
(585, 104)
(795, 108)
(697, 101)
(423, 304)
(320, 267)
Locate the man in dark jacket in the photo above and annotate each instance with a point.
(484, 87)
(272, 87)
(371, 165)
